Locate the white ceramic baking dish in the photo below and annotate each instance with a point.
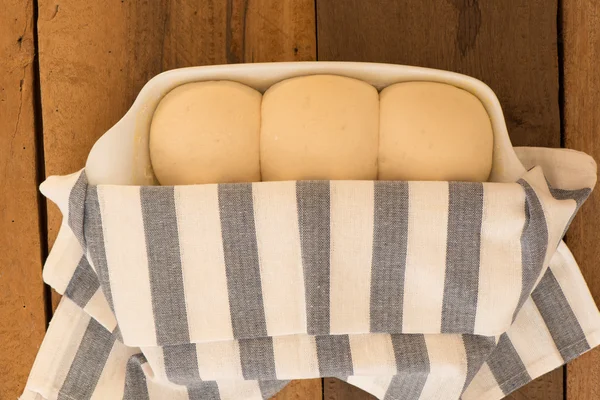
(121, 155)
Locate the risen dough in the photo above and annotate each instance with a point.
(206, 132)
(319, 127)
(433, 131)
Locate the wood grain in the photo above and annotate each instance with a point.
(510, 45)
(308, 389)
(581, 35)
(335, 389)
(22, 316)
(546, 387)
(96, 56)
(218, 32)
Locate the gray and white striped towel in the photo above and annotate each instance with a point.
(409, 290)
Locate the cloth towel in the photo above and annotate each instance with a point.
(408, 290)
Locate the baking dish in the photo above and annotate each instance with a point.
(121, 155)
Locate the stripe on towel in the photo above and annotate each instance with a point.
(164, 264)
(390, 234)
(314, 223)
(257, 358)
(559, 318)
(478, 349)
(181, 363)
(88, 363)
(335, 356)
(507, 367)
(412, 365)
(241, 260)
(84, 283)
(76, 208)
(203, 391)
(135, 379)
(534, 242)
(465, 213)
(94, 237)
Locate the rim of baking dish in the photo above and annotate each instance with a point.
(121, 156)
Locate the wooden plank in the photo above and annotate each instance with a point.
(545, 387)
(96, 56)
(581, 34)
(335, 389)
(309, 389)
(214, 32)
(510, 45)
(22, 310)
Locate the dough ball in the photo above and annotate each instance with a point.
(319, 127)
(206, 132)
(433, 131)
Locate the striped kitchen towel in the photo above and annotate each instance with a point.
(408, 290)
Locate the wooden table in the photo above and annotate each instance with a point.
(69, 70)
